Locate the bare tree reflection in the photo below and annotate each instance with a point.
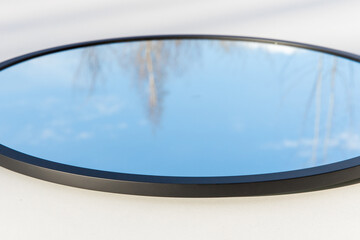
(330, 114)
(318, 92)
(91, 65)
(154, 108)
(150, 62)
(325, 84)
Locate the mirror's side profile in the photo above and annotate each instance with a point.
(196, 116)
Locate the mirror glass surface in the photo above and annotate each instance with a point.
(192, 107)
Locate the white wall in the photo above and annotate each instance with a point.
(34, 209)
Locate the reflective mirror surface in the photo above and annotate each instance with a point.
(192, 107)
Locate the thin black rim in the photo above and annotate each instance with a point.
(309, 179)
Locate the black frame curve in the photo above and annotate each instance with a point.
(316, 178)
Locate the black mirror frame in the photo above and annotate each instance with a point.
(317, 178)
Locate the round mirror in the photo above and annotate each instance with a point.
(183, 116)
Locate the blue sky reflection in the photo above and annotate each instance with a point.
(183, 108)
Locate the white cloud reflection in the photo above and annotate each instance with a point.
(49, 134)
(122, 125)
(84, 135)
(345, 140)
(108, 109)
(272, 48)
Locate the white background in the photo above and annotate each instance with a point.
(34, 209)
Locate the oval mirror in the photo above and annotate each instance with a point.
(183, 116)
